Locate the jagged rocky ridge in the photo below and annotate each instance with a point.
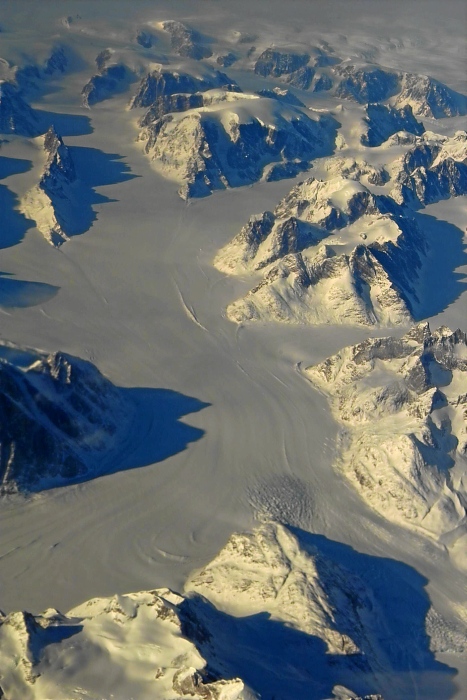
(209, 139)
(333, 251)
(58, 202)
(433, 168)
(104, 84)
(59, 416)
(372, 281)
(402, 404)
(383, 121)
(362, 83)
(16, 116)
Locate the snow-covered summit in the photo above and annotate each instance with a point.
(402, 404)
(331, 252)
(231, 138)
(139, 644)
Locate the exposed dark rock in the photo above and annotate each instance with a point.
(103, 85)
(276, 63)
(186, 41)
(385, 121)
(165, 82)
(54, 414)
(16, 116)
(370, 84)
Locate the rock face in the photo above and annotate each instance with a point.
(104, 84)
(224, 144)
(344, 281)
(365, 84)
(186, 41)
(58, 415)
(51, 203)
(268, 571)
(139, 638)
(164, 83)
(276, 63)
(430, 98)
(403, 408)
(16, 116)
(385, 121)
(433, 168)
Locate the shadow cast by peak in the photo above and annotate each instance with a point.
(13, 166)
(14, 224)
(399, 626)
(94, 168)
(161, 432)
(80, 429)
(65, 124)
(18, 294)
(440, 283)
(276, 660)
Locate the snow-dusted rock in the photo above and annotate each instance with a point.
(16, 116)
(58, 416)
(365, 84)
(53, 202)
(230, 140)
(268, 571)
(356, 169)
(402, 405)
(104, 84)
(433, 168)
(163, 83)
(135, 642)
(383, 121)
(429, 98)
(276, 63)
(186, 41)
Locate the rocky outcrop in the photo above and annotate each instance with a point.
(58, 416)
(383, 121)
(365, 274)
(186, 41)
(164, 83)
(429, 98)
(365, 84)
(277, 63)
(51, 203)
(16, 116)
(433, 168)
(104, 84)
(228, 146)
(402, 406)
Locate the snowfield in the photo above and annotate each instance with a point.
(215, 218)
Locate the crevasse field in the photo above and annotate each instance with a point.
(289, 515)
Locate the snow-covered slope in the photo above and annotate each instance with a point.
(140, 645)
(402, 404)
(433, 168)
(365, 274)
(223, 138)
(60, 417)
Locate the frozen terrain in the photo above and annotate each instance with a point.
(209, 428)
